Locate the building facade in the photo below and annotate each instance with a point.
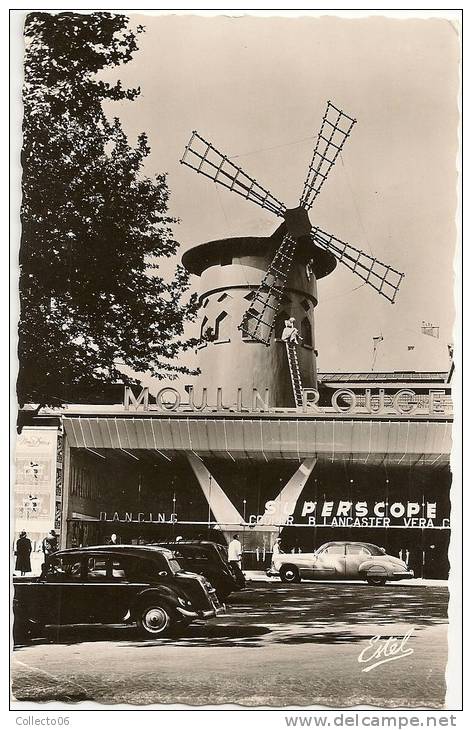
(362, 456)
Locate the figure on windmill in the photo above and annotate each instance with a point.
(290, 333)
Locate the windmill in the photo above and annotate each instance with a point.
(301, 239)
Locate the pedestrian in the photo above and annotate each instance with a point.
(277, 547)
(234, 557)
(50, 545)
(290, 332)
(23, 552)
(405, 555)
(276, 550)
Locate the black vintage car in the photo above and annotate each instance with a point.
(209, 559)
(113, 584)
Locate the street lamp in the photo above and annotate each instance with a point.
(209, 506)
(244, 525)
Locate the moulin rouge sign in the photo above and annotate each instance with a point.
(403, 402)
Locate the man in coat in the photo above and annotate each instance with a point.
(50, 545)
(23, 552)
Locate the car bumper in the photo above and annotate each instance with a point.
(402, 575)
(209, 613)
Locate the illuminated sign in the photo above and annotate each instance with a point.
(137, 517)
(347, 513)
(328, 513)
(404, 402)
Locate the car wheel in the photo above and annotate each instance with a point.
(376, 580)
(289, 574)
(155, 620)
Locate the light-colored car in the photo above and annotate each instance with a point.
(341, 561)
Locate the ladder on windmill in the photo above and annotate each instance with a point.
(258, 322)
(294, 373)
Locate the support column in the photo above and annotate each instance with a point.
(65, 491)
(286, 501)
(224, 511)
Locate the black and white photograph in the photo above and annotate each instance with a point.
(236, 360)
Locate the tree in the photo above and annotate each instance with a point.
(93, 225)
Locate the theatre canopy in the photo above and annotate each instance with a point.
(371, 440)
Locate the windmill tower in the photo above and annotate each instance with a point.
(251, 285)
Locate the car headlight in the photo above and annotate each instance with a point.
(182, 602)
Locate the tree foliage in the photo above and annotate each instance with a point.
(93, 225)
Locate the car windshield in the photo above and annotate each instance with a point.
(175, 565)
(375, 550)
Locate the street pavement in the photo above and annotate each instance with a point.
(277, 645)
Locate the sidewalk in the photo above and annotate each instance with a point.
(260, 576)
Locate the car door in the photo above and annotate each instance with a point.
(113, 582)
(305, 562)
(355, 555)
(41, 599)
(105, 579)
(329, 562)
(58, 591)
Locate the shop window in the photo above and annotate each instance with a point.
(222, 325)
(280, 324)
(305, 331)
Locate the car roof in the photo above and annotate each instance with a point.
(350, 542)
(129, 549)
(195, 543)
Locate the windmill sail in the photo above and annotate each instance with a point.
(378, 275)
(335, 129)
(258, 321)
(203, 157)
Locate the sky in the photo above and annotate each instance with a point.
(257, 88)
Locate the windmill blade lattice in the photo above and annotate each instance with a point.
(259, 320)
(203, 157)
(335, 129)
(378, 275)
